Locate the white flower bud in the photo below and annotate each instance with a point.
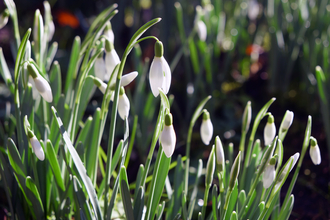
(201, 30)
(37, 149)
(160, 72)
(295, 159)
(51, 30)
(206, 128)
(123, 104)
(44, 88)
(287, 120)
(314, 151)
(269, 131)
(269, 174)
(128, 78)
(220, 156)
(109, 33)
(168, 137)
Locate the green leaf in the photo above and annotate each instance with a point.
(178, 189)
(160, 211)
(194, 56)
(113, 198)
(138, 203)
(215, 211)
(125, 195)
(232, 201)
(51, 156)
(195, 189)
(233, 216)
(82, 201)
(241, 200)
(288, 208)
(20, 55)
(80, 167)
(34, 198)
(51, 54)
(93, 146)
(15, 158)
(158, 182)
(138, 181)
(56, 81)
(73, 65)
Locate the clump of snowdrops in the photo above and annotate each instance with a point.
(50, 156)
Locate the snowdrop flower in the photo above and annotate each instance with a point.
(314, 151)
(201, 30)
(123, 104)
(206, 128)
(4, 18)
(168, 137)
(269, 173)
(287, 120)
(220, 156)
(111, 59)
(109, 33)
(40, 83)
(160, 73)
(99, 67)
(269, 131)
(36, 146)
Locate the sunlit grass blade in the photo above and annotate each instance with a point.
(50, 154)
(33, 195)
(56, 81)
(125, 195)
(80, 167)
(138, 203)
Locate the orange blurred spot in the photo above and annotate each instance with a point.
(65, 18)
(254, 48)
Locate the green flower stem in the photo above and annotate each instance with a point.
(206, 196)
(247, 157)
(302, 155)
(225, 207)
(35, 171)
(115, 107)
(85, 67)
(130, 148)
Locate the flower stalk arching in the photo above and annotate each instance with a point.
(130, 46)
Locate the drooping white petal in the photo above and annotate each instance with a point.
(168, 76)
(156, 76)
(44, 88)
(315, 154)
(99, 68)
(123, 106)
(110, 35)
(295, 159)
(37, 149)
(201, 30)
(128, 78)
(287, 121)
(269, 133)
(219, 151)
(269, 176)
(111, 60)
(103, 87)
(168, 140)
(206, 131)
